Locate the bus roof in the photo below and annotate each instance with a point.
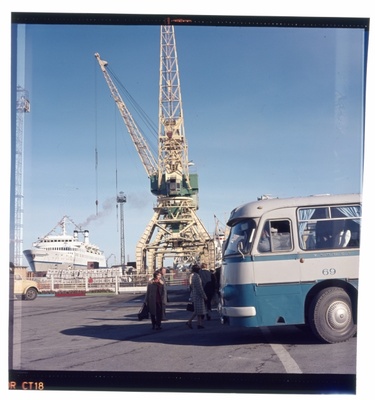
(257, 208)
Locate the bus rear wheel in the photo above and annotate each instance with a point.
(331, 317)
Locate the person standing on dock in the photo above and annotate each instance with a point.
(199, 298)
(154, 299)
(208, 283)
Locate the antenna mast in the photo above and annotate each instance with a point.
(121, 199)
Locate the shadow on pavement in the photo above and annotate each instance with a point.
(174, 331)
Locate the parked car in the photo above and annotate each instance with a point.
(24, 288)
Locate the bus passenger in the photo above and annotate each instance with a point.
(264, 242)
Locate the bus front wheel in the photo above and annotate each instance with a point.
(331, 317)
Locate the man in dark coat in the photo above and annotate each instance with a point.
(154, 299)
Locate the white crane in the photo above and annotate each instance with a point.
(22, 107)
(175, 229)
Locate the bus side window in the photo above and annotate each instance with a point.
(331, 227)
(276, 236)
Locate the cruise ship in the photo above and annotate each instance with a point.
(64, 251)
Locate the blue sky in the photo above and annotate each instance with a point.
(267, 111)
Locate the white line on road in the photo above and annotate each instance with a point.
(291, 367)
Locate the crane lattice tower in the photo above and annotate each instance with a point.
(22, 107)
(174, 229)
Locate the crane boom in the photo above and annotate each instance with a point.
(140, 144)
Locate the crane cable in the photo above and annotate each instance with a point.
(151, 126)
(96, 139)
(116, 169)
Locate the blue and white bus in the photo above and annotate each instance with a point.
(294, 261)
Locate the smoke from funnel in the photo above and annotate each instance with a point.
(106, 210)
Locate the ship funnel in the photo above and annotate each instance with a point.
(86, 236)
(75, 234)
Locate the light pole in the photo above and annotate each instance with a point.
(121, 199)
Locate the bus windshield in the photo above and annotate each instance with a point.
(240, 237)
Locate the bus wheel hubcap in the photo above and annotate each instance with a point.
(338, 315)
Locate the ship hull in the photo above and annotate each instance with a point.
(41, 261)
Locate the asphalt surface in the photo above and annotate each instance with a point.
(98, 342)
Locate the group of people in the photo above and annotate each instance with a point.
(202, 289)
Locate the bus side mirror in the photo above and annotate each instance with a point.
(240, 248)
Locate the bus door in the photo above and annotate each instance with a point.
(277, 273)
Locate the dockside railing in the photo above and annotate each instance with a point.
(103, 281)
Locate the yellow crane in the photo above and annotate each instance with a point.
(174, 229)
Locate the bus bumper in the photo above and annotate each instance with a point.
(238, 311)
